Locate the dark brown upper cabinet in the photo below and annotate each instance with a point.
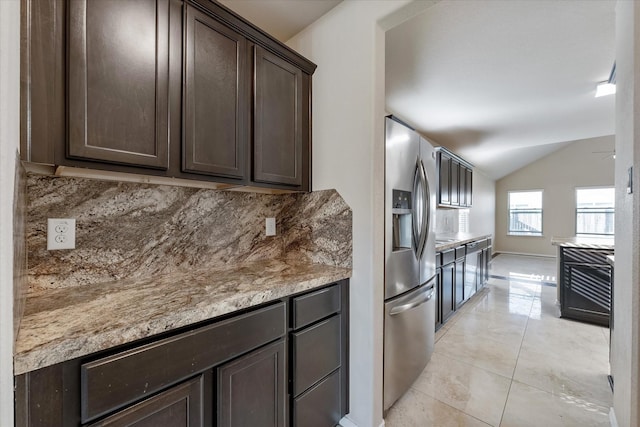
(277, 120)
(118, 79)
(215, 98)
(455, 180)
(171, 88)
(444, 173)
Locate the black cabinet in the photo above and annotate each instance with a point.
(277, 120)
(118, 80)
(585, 285)
(450, 282)
(169, 88)
(215, 98)
(252, 389)
(285, 363)
(319, 358)
(179, 406)
(455, 180)
(444, 175)
(448, 286)
(459, 281)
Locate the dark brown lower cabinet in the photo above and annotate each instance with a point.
(448, 286)
(319, 406)
(179, 406)
(251, 389)
(281, 364)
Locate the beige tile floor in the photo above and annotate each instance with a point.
(507, 359)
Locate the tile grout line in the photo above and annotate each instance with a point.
(517, 360)
(452, 407)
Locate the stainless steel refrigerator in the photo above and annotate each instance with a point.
(409, 306)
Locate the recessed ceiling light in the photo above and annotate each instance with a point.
(605, 88)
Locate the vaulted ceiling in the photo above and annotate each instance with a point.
(501, 83)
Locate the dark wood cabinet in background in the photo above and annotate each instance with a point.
(454, 189)
(118, 82)
(448, 290)
(171, 88)
(444, 173)
(215, 98)
(459, 291)
(455, 180)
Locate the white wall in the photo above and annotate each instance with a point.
(625, 338)
(9, 143)
(558, 175)
(482, 215)
(348, 155)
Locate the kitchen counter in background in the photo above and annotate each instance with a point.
(583, 242)
(448, 241)
(66, 323)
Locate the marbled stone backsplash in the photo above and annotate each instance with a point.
(130, 230)
(19, 245)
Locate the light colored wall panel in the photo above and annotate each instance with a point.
(580, 164)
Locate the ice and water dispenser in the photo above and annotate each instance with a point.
(402, 226)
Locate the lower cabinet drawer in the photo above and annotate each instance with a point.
(179, 406)
(320, 406)
(116, 381)
(316, 353)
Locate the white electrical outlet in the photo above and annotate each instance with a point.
(61, 233)
(270, 226)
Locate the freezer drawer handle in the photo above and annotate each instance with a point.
(421, 299)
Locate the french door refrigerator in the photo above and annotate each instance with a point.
(409, 306)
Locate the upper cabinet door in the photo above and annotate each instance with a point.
(118, 82)
(215, 98)
(277, 120)
(444, 188)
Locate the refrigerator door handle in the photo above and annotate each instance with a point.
(417, 301)
(420, 209)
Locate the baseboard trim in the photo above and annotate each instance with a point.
(346, 422)
(522, 253)
(612, 418)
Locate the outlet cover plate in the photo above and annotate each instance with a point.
(61, 233)
(270, 226)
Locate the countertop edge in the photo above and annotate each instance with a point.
(582, 243)
(73, 347)
(454, 244)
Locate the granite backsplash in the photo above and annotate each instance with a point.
(19, 245)
(131, 230)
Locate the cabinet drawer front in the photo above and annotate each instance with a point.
(448, 256)
(123, 378)
(320, 406)
(461, 251)
(315, 306)
(316, 353)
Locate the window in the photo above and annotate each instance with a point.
(525, 213)
(595, 211)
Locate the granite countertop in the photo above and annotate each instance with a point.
(63, 324)
(457, 239)
(583, 242)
